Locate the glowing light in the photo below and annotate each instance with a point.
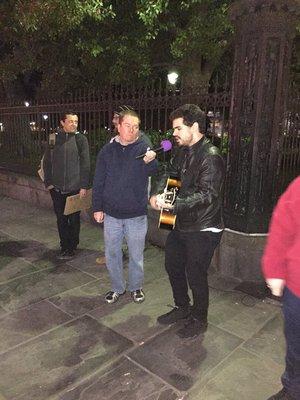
(172, 77)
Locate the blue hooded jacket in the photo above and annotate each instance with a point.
(121, 182)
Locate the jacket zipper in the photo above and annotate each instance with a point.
(65, 161)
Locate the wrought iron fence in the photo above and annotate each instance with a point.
(24, 128)
(288, 166)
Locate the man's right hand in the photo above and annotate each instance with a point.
(99, 216)
(157, 202)
(276, 286)
(153, 202)
(50, 187)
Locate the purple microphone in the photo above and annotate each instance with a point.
(165, 145)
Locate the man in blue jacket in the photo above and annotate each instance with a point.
(120, 201)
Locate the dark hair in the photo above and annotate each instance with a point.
(130, 112)
(64, 114)
(190, 113)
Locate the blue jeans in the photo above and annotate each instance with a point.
(134, 231)
(291, 311)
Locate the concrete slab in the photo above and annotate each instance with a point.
(59, 340)
(40, 285)
(124, 380)
(31, 321)
(85, 261)
(269, 342)
(81, 300)
(240, 314)
(183, 362)
(53, 361)
(12, 268)
(137, 322)
(241, 376)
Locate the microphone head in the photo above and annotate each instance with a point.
(166, 145)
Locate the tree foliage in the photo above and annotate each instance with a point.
(70, 44)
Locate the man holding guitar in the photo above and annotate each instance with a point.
(199, 168)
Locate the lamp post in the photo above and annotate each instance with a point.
(172, 77)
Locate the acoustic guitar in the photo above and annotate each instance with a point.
(167, 218)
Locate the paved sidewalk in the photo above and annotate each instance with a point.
(60, 340)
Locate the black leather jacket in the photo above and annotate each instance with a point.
(201, 171)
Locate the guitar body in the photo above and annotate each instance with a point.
(167, 218)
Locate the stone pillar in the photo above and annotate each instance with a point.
(264, 33)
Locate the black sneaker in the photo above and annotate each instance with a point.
(192, 328)
(138, 296)
(174, 315)
(66, 254)
(112, 297)
(282, 395)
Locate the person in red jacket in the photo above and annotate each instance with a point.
(281, 268)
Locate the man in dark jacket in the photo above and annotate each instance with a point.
(67, 169)
(198, 228)
(120, 200)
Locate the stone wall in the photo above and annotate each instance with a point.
(27, 188)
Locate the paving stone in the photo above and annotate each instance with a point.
(242, 376)
(91, 237)
(32, 231)
(29, 322)
(183, 362)
(269, 342)
(31, 250)
(85, 261)
(154, 264)
(137, 321)
(59, 359)
(40, 285)
(124, 381)
(88, 358)
(81, 300)
(11, 268)
(2, 312)
(3, 237)
(13, 209)
(233, 311)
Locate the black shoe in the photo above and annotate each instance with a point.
(282, 395)
(112, 297)
(192, 328)
(66, 254)
(138, 296)
(174, 315)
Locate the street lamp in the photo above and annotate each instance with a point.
(172, 77)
